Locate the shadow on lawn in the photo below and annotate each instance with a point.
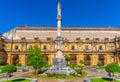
(107, 79)
(18, 80)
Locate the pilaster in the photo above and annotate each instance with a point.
(50, 59)
(9, 58)
(22, 59)
(107, 59)
(94, 59)
(80, 57)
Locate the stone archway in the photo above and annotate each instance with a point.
(113, 59)
(3, 58)
(46, 58)
(87, 60)
(73, 59)
(15, 59)
(101, 59)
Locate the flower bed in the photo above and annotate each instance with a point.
(63, 76)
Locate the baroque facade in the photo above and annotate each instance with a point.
(91, 45)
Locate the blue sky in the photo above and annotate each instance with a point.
(83, 13)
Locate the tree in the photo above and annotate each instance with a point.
(81, 62)
(112, 68)
(9, 69)
(36, 59)
(67, 57)
(18, 63)
(99, 64)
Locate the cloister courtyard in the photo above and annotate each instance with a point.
(92, 71)
(60, 54)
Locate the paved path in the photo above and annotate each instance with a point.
(59, 80)
(91, 73)
(18, 75)
(27, 75)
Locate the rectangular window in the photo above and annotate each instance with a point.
(16, 47)
(100, 47)
(73, 48)
(44, 48)
(86, 47)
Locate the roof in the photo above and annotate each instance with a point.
(68, 28)
(42, 32)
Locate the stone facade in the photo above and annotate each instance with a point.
(90, 50)
(90, 45)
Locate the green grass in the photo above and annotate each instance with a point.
(19, 68)
(2, 73)
(101, 67)
(101, 80)
(117, 73)
(1, 67)
(19, 80)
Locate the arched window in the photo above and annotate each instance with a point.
(86, 47)
(87, 59)
(100, 47)
(16, 47)
(101, 59)
(44, 48)
(73, 47)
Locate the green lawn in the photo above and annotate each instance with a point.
(1, 69)
(117, 73)
(20, 68)
(2, 73)
(18, 80)
(101, 67)
(101, 80)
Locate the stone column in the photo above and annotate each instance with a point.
(113, 59)
(80, 57)
(20, 60)
(94, 59)
(9, 58)
(23, 59)
(107, 59)
(50, 59)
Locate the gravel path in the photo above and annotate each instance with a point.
(91, 73)
(27, 75)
